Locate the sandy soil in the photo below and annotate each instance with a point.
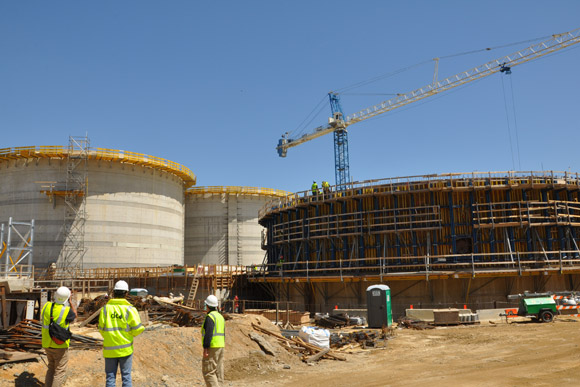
(516, 354)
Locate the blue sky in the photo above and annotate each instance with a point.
(213, 85)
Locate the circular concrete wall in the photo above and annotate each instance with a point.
(134, 205)
(221, 224)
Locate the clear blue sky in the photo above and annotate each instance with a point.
(213, 84)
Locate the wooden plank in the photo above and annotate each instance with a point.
(20, 356)
(317, 356)
(90, 318)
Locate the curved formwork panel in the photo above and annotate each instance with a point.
(436, 226)
(221, 224)
(134, 211)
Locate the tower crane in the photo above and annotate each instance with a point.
(338, 123)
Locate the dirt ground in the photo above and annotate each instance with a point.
(516, 354)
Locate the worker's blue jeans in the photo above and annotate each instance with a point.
(111, 365)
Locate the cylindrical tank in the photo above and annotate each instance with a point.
(134, 209)
(221, 224)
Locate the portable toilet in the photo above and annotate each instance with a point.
(379, 306)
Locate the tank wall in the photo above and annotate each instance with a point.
(223, 229)
(135, 215)
(20, 198)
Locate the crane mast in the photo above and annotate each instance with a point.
(337, 123)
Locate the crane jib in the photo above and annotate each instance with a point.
(338, 123)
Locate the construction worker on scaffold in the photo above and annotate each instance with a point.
(314, 188)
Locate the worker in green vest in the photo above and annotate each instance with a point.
(314, 188)
(213, 333)
(57, 353)
(119, 323)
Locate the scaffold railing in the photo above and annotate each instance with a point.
(237, 190)
(453, 266)
(146, 272)
(445, 181)
(61, 152)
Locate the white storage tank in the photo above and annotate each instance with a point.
(134, 204)
(221, 224)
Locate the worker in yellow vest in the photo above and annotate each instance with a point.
(213, 333)
(57, 350)
(326, 188)
(314, 188)
(119, 323)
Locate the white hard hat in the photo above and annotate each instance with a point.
(121, 285)
(62, 295)
(212, 301)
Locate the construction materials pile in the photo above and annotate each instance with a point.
(338, 320)
(168, 310)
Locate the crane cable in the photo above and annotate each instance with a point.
(508, 123)
(387, 75)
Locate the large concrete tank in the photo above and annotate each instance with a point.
(221, 224)
(134, 205)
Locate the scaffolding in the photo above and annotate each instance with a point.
(435, 226)
(73, 251)
(16, 252)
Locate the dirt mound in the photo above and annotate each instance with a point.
(167, 356)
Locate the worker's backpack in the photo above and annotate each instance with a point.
(57, 333)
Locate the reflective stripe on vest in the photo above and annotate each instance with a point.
(47, 341)
(114, 325)
(219, 330)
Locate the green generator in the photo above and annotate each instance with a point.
(539, 308)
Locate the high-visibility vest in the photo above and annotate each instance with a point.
(314, 188)
(119, 322)
(218, 339)
(59, 315)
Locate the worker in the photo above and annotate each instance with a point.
(325, 187)
(213, 333)
(236, 304)
(119, 323)
(57, 350)
(314, 188)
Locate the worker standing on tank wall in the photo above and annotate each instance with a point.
(57, 351)
(119, 323)
(314, 188)
(213, 333)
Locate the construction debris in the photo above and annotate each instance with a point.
(338, 320)
(26, 336)
(297, 344)
(365, 339)
(406, 322)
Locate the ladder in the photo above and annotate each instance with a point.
(193, 289)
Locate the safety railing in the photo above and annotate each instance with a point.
(237, 190)
(17, 271)
(101, 154)
(460, 264)
(446, 181)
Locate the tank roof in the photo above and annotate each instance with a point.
(219, 189)
(121, 156)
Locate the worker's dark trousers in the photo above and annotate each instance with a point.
(213, 367)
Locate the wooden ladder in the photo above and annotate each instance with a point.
(193, 289)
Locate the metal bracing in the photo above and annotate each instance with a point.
(73, 251)
(17, 251)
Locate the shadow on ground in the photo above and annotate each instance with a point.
(27, 379)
